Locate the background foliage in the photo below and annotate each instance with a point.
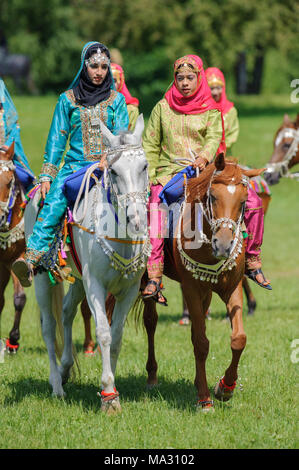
(151, 34)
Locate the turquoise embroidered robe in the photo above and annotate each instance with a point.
(80, 125)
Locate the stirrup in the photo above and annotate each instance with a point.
(251, 274)
(156, 294)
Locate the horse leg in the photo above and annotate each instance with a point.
(86, 314)
(150, 319)
(251, 302)
(225, 388)
(4, 279)
(70, 303)
(19, 304)
(120, 313)
(96, 296)
(198, 304)
(44, 293)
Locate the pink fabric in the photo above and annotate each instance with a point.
(156, 221)
(224, 103)
(123, 88)
(254, 221)
(197, 103)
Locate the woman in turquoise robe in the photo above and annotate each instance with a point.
(76, 117)
(10, 132)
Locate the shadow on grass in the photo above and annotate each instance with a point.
(179, 395)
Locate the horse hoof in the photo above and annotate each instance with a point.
(110, 404)
(11, 348)
(152, 386)
(224, 392)
(205, 406)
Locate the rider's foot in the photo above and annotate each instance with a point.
(23, 271)
(185, 320)
(153, 290)
(257, 276)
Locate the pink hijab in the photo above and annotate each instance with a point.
(215, 75)
(122, 86)
(200, 101)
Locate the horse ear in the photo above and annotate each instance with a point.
(139, 127)
(286, 120)
(8, 152)
(253, 172)
(219, 162)
(112, 140)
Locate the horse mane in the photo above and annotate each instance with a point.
(197, 187)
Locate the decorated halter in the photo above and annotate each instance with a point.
(213, 80)
(8, 237)
(283, 167)
(207, 272)
(126, 266)
(131, 152)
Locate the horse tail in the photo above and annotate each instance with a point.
(136, 310)
(57, 306)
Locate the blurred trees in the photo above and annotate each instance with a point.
(233, 35)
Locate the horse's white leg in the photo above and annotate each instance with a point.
(43, 291)
(96, 296)
(70, 303)
(120, 313)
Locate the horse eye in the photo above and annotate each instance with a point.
(113, 172)
(145, 167)
(286, 146)
(213, 198)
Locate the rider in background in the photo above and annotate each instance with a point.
(186, 120)
(216, 82)
(9, 133)
(91, 98)
(131, 102)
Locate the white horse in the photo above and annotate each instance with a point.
(111, 240)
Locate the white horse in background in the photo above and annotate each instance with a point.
(111, 240)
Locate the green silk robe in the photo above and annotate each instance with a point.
(170, 136)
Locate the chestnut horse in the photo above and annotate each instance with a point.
(206, 261)
(12, 239)
(286, 152)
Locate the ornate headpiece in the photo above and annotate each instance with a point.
(213, 80)
(187, 64)
(98, 58)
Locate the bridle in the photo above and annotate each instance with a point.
(10, 236)
(206, 272)
(283, 167)
(7, 205)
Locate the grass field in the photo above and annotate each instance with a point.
(263, 413)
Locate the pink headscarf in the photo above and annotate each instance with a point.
(215, 75)
(122, 85)
(200, 101)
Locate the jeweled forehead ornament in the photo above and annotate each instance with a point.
(186, 64)
(98, 58)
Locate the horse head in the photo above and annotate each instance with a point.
(6, 180)
(286, 150)
(127, 174)
(223, 187)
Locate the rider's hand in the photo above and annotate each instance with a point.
(103, 162)
(200, 163)
(45, 188)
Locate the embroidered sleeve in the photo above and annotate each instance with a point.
(152, 141)
(57, 139)
(213, 135)
(120, 120)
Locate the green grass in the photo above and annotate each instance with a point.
(263, 412)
